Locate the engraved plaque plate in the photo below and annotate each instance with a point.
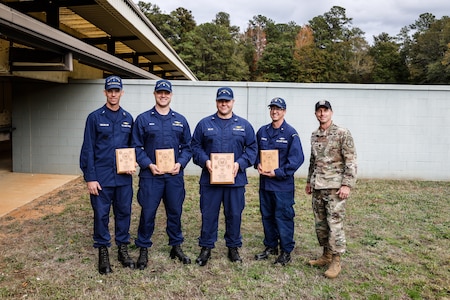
(125, 160)
(222, 168)
(269, 160)
(165, 159)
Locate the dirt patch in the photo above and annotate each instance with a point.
(35, 210)
(47, 204)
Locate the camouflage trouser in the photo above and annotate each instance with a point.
(329, 214)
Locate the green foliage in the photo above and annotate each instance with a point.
(277, 61)
(389, 67)
(338, 52)
(424, 48)
(213, 54)
(337, 40)
(173, 26)
(332, 27)
(276, 64)
(428, 51)
(360, 62)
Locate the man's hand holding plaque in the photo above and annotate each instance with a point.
(268, 162)
(165, 160)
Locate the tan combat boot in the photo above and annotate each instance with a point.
(335, 267)
(324, 260)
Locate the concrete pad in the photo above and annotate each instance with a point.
(17, 189)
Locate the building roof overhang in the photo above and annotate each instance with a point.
(111, 35)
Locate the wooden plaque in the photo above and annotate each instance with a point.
(222, 168)
(269, 160)
(125, 160)
(165, 159)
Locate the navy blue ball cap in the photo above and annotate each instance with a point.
(163, 85)
(224, 93)
(113, 82)
(279, 102)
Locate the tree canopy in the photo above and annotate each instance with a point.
(326, 49)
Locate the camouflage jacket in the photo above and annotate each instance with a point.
(333, 159)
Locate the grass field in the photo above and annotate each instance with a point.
(398, 235)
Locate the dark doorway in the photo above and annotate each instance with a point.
(5, 126)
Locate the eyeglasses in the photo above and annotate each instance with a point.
(276, 108)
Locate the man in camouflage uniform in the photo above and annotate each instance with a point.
(331, 175)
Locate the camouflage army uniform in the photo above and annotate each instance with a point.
(332, 164)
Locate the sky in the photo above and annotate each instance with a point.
(371, 16)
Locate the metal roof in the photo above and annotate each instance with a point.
(111, 35)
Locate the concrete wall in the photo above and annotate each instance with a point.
(400, 132)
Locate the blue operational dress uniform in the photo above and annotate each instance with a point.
(154, 131)
(106, 131)
(215, 135)
(277, 193)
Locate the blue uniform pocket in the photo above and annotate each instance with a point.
(125, 129)
(104, 131)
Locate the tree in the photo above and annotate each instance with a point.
(427, 64)
(309, 62)
(183, 21)
(332, 27)
(212, 53)
(360, 62)
(255, 41)
(389, 66)
(223, 19)
(173, 26)
(446, 59)
(256, 32)
(327, 49)
(334, 37)
(277, 61)
(276, 64)
(305, 56)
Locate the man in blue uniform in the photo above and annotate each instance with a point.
(156, 129)
(107, 129)
(223, 132)
(276, 186)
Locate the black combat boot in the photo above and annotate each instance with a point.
(204, 256)
(124, 258)
(103, 261)
(178, 252)
(283, 259)
(143, 259)
(265, 254)
(233, 254)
